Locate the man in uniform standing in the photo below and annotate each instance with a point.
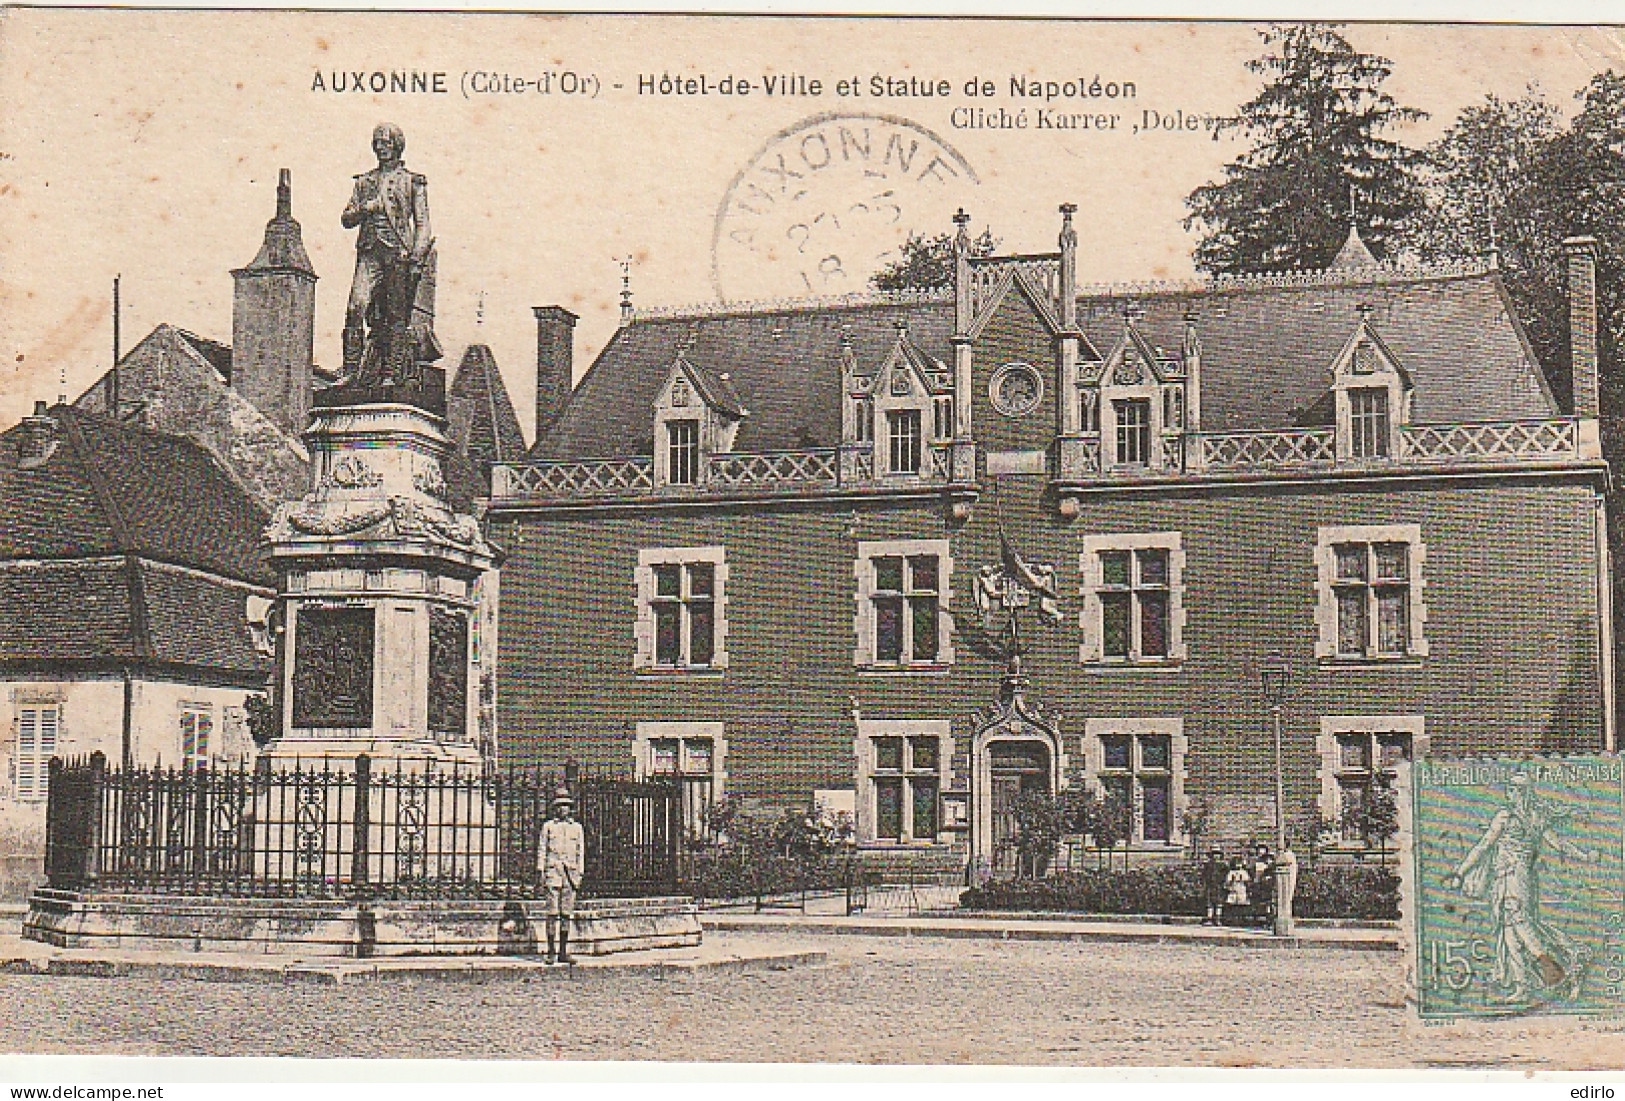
(389, 323)
(561, 857)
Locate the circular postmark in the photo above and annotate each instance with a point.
(826, 203)
(1016, 389)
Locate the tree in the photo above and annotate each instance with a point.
(1375, 818)
(1318, 147)
(264, 721)
(1038, 830)
(1510, 174)
(927, 263)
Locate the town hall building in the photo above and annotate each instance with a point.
(748, 544)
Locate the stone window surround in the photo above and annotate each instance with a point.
(1094, 762)
(1326, 751)
(1148, 390)
(863, 750)
(1092, 650)
(1326, 597)
(643, 632)
(683, 730)
(863, 619)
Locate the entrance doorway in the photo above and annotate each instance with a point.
(1014, 769)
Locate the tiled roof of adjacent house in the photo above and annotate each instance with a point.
(126, 543)
(1268, 348)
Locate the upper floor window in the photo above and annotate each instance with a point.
(1133, 598)
(682, 452)
(942, 417)
(1133, 431)
(903, 591)
(1370, 592)
(681, 622)
(38, 726)
(903, 441)
(1368, 423)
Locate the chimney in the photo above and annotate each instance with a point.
(555, 363)
(1582, 285)
(36, 438)
(273, 321)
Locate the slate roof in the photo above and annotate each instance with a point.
(483, 422)
(1268, 351)
(126, 544)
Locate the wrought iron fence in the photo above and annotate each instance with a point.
(314, 830)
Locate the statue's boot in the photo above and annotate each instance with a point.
(355, 343)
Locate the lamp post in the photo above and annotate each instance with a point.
(1274, 674)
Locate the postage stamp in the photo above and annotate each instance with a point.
(1520, 905)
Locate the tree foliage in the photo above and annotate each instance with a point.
(1511, 174)
(1318, 129)
(927, 263)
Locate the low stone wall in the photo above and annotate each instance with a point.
(20, 875)
(314, 927)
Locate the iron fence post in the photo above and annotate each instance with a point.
(89, 826)
(200, 822)
(361, 840)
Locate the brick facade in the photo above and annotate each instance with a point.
(1501, 650)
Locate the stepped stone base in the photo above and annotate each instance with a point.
(315, 927)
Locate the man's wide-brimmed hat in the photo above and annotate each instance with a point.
(561, 797)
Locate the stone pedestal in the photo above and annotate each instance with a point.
(348, 929)
(384, 593)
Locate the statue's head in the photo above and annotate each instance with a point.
(388, 141)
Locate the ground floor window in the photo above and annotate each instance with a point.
(902, 770)
(1138, 768)
(1356, 753)
(197, 731)
(37, 728)
(691, 751)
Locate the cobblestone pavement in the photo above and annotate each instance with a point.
(878, 999)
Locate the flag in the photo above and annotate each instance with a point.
(1039, 580)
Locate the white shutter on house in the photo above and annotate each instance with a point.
(36, 744)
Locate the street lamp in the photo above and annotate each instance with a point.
(1273, 674)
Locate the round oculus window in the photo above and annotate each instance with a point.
(1016, 389)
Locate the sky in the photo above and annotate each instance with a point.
(146, 145)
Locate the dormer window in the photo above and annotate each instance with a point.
(682, 451)
(903, 441)
(864, 416)
(1372, 393)
(697, 415)
(1133, 431)
(942, 417)
(1368, 422)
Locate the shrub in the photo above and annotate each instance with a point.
(755, 855)
(1325, 890)
(1335, 890)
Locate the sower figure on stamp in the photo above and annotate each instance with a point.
(561, 857)
(1531, 953)
(389, 323)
